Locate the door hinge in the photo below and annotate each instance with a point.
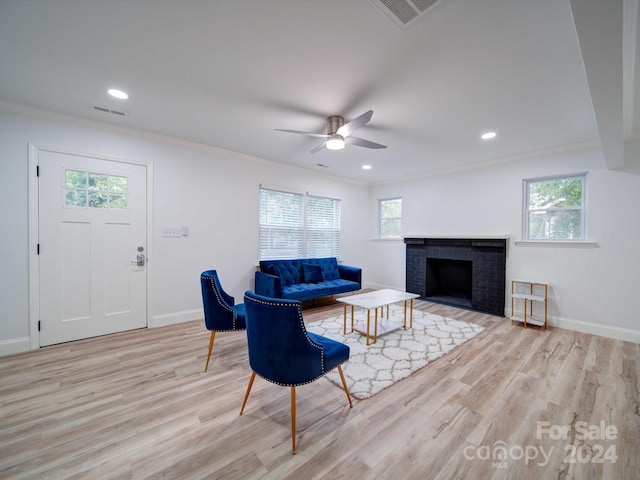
(37, 170)
(38, 325)
(38, 249)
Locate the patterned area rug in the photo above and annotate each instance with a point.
(397, 354)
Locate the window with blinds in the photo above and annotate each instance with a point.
(294, 225)
(322, 235)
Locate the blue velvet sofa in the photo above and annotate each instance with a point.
(306, 278)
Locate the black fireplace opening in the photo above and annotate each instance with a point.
(462, 272)
(449, 281)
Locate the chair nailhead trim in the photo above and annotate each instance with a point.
(298, 384)
(223, 305)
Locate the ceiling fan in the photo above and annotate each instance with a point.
(339, 133)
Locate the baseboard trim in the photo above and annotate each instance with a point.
(23, 344)
(15, 345)
(176, 317)
(609, 331)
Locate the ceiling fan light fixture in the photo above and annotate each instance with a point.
(335, 142)
(339, 133)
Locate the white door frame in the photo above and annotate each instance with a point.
(34, 234)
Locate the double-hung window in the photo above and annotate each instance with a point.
(389, 217)
(294, 225)
(554, 208)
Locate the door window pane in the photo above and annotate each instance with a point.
(76, 197)
(75, 179)
(98, 199)
(117, 201)
(98, 181)
(117, 184)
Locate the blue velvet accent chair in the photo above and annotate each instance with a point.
(221, 314)
(283, 352)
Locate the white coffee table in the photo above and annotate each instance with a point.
(372, 301)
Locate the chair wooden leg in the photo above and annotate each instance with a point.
(293, 419)
(246, 395)
(344, 384)
(213, 336)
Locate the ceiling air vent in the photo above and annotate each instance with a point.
(405, 12)
(117, 113)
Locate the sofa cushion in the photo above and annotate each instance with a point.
(329, 267)
(273, 270)
(307, 291)
(312, 273)
(289, 271)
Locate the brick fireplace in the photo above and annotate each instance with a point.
(461, 272)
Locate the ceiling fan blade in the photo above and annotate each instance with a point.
(318, 148)
(348, 128)
(361, 142)
(320, 135)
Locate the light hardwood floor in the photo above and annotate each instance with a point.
(138, 405)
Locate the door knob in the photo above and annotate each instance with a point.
(140, 260)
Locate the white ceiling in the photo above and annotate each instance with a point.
(226, 73)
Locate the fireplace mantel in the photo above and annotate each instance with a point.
(485, 253)
(461, 237)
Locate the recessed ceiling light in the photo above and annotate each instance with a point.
(118, 93)
(366, 167)
(488, 135)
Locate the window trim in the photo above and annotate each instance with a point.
(556, 243)
(527, 241)
(379, 220)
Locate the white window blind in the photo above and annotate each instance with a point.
(323, 227)
(281, 224)
(293, 225)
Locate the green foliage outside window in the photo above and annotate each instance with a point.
(555, 208)
(390, 216)
(95, 190)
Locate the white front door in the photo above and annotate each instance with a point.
(92, 228)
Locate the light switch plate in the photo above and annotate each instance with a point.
(171, 232)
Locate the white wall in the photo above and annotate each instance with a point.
(213, 192)
(591, 289)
